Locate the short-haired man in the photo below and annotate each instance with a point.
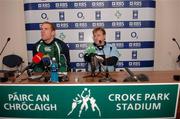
(53, 47)
(107, 52)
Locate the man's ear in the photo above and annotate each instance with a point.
(53, 33)
(104, 37)
(93, 38)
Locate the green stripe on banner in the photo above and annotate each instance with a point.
(89, 101)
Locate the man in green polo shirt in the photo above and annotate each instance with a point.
(52, 47)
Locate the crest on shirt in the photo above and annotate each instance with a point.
(47, 49)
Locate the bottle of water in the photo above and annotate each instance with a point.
(54, 71)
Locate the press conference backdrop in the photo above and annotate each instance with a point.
(130, 25)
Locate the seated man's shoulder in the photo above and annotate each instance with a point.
(38, 42)
(111, 45)
(61, 43)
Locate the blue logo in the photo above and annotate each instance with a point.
(117, 35)
(61, 16)
(81, 36)
(80, 15)
(135, 14)
(44, 16)
(80, 65)
(134, 54)
(98, 15)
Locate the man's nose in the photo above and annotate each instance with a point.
(42, 31)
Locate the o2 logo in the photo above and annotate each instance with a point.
(44, 16)
(81, 55)
(80, 15)
(134, 35)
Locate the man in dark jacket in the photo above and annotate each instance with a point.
(51, 47)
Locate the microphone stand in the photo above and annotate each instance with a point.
(176, 77)
(176, 43)
(178, 58)
(3, 49)
(93, 68)
(132, 77)
(135, 78)
(100, 71)
(107, 77)
(46, 74)
(4, 46)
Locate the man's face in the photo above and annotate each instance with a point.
(99, 38)
(46, 32)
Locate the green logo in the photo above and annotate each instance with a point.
(118, 14)
(62, 36)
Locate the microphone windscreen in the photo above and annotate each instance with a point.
(174, 39)
(46, 60)
(90, 49)
(143, 77)
(178, 58)
(8, 39)
(100, 41)
(37, 58)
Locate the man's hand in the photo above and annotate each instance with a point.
(99, 58)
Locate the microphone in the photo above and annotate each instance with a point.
(100, 45)
(93, 65)
(46, 61)
(90, 49)
(35, 60)
(100, 41)
(176, 77)
(134, 78)
(8, 39)
(90, 53)
(94, 59)
(176, 43)
(178, 58)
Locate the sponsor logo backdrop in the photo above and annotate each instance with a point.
(129, 24)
